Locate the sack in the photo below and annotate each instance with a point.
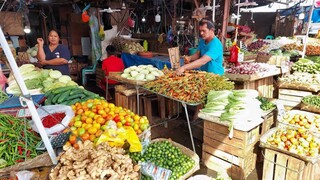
(54, 109)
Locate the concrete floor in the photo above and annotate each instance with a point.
(177, 130)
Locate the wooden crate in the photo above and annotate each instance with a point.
(291, 98)
(269, 122)
(129, 102)
(264, 86)
(279, 166)
(242, 143)
(235, 167)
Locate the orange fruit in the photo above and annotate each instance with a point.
(76, 146)
(92, 137)
(85, 136)
(89, 120)
(87, 126)
(98, 133)
(83, 118)
(92, 130)
(72, 139)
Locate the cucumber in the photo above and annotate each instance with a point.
(76, 91)
(55, 98)
(63, 96)
(80, 95)
(88, 93)
(48, 93)
(49, 99)
(63, 89)
(72, 102)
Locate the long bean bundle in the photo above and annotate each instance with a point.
(17, 141)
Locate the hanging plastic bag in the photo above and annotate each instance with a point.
(131, 22)
(234, 51)
(85, 16)
(101, 33)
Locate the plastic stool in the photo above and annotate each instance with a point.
(269, 37)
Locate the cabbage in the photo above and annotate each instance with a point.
(142, 66)
(160, 73)
(133, 68)
(150, 77)
(139, 77)
(47, 83)
(134, 73)
(45, 73)
(64, 79)
(218, 95)
(55, 74)
(246, 93)
(127, 70)
(144, 71)
(125, 75)
(149, 65)
(26, 68)
(71, 83)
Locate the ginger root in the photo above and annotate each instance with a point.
(89, 162)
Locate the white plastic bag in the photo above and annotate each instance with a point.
(54, 109)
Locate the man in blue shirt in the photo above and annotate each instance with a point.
(209, 55)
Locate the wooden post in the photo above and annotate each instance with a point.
(226, 11)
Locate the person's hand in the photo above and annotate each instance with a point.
(180, 71)
(42, 62)
(186, 59)
(40, 41)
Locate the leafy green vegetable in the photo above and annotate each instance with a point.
(265, 103)
(64, 79)
(55, 74)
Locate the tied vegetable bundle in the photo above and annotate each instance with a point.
(17, 141)
(192, 87)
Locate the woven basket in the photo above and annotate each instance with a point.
(187, 152)
(309, 108)
(263, 58)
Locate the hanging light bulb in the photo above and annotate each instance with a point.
(27, 29)
(143, 19)
(123, 6)
(157, 18)
(301, 15)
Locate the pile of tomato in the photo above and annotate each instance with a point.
(91, 119)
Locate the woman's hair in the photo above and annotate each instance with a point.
(111, 50)
(210, 24)
(56, 32)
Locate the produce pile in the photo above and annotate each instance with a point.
(94, 162)
(141, 73)
(191, 87)
(306, 65)
(249, 68)
(233, 106)
(257, 45)
(18, 141)
(68, 95)
(132, 47)
(38, 80)
(265, 103)
(165, 155)
(312, 100)
(312, 49)
(302, 119)
(92, 118)
(297, 141)
(302, 81)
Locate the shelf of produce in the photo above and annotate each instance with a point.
(262, 82)
(282, 164)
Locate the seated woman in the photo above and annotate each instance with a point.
(111, 64)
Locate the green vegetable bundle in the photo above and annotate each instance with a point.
(313, 100)
(68, 95)
(17, 141)
(166, 155)
(306, 65)
(265, 103)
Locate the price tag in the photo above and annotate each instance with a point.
(281, 109)
(23, 113)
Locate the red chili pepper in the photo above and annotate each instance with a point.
(19, 160)
(53, 119)
(28, 153)
(20, 150)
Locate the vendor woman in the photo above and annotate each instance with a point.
(209, 55)
(53, 56)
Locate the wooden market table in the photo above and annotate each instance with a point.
(262, 82)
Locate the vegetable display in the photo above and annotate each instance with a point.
(52, 119)
(94, 162)
(166, 155)
(68, 95)
(132, 47)
(297, 141)
(249, 68)
(265, 103)
(141, 73)
(192, 87)
(255, 46)
(302, 81)
(313, 100)
(306, 65)
(38, 80)
(18, 141)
